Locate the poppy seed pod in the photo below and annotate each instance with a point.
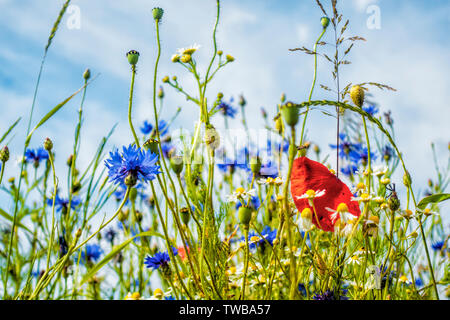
(242, 101)
(133, 57)
(357, 95)
(325, 21)
(176, 163)
(185, 215)
(290, 113)
(255, 164)
(157, 13)
(244, 215)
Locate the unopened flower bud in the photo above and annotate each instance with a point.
(87, 74)
(212, 137)
(244, 215)
(130, 180)
(242, 101)
(165, 79)
(48, 144)
(4, 154)
(255, 164)
(290, 113)
(357, 95)
(407, 179)
(220, 52)
(152, 145)
(69, 160)
(185, 215)
(176, 163)
(160, 93)
(229, 58)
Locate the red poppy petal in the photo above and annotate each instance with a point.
(308, 174)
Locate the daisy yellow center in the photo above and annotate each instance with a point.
(135, 295)
(270, 180)
(360, 186)
(240, 191)
(374, 219)
(408, 212)
(254, 238)
(310, 193)
(427, 211)
(189, 51)
(158, 293)
(365, 197)
(342, 207)
(354, 258)
(403, 278)
(306, 213)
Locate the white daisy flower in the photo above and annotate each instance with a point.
(188, 50)
(354, 260)
(311, 195)
(341, 213)
(379, 171)
(240, 193)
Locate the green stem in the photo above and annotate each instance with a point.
(133, 74)
(312, 87)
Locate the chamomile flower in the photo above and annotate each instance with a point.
(271, 181)
(188, 50)
(364, 197)
(305, 220)
(311, 195)
(241, 194)
(158, 294)
(403, 279)
(427, 212)
(341, 213)
(133, 296)
(354, 260)
(379, 171)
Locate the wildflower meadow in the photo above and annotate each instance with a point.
(217, 208)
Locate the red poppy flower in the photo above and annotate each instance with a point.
(182, 252)
(312, 175)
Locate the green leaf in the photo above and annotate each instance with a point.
(52, 112)
(113, 253)
(8, 217)
(434, 198)
(9, 130)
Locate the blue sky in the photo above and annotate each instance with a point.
(409, 52)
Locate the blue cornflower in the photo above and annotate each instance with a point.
(169, 298)
(226, 109)
(268, 235)
(163, 127)
(328, 295)
(167, 148)
(345, 147)
(61, 204)
(147, 127)
(361, 156)
(419, 282)
(437, 246)
(91, 253)
(139, 164)
(36, 155)
(302, 289)
(387, 152)
(371, 109)
(110, 234)
(349, 170)
(159, 260)
(254, 203)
